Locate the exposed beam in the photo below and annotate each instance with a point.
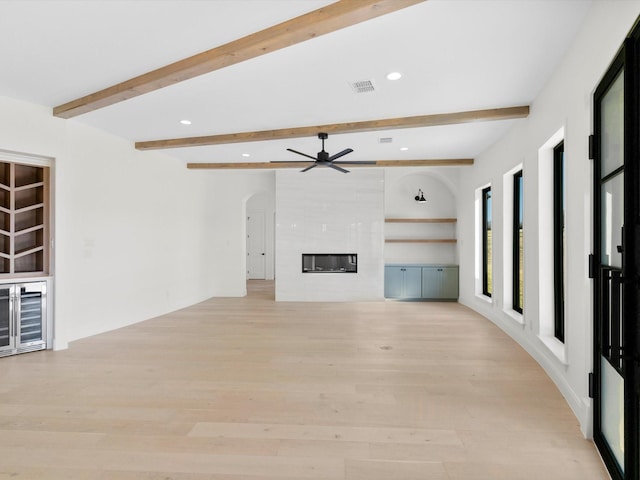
(379, 163)
(331, 18)
(351, 127)
(456, 162)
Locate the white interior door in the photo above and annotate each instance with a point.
(256, 259)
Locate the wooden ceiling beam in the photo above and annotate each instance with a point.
(379, 163)
(331, 18)
(336, 128)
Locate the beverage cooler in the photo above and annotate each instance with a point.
(22, 318)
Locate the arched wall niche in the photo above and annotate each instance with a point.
(440, 191)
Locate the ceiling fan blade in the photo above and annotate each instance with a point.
(340, 154)
(289, 161)
(309, 167)
(335, 167)
(355, 162)
(303, 154)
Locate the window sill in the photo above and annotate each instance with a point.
(515, 316)
(484, 298)
(556, 347)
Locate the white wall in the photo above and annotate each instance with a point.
(227, 194)
(325, 211)
(565, 102)
(136, 233)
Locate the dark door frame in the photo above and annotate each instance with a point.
(628, 361)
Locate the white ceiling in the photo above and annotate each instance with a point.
(455, 55)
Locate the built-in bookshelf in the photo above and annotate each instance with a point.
(24, 219)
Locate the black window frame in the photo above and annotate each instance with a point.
(558, 240)
(517, 300)
(487, 287)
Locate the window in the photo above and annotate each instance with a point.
(558, 240)
(548, 299)
(487, 240)
(518, 245)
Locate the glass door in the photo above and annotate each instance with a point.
(7, 335)
(30, 314)
(610, 371)
(616, 268)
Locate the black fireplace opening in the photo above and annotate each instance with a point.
(329, 263)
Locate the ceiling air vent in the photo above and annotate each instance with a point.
(363, 86)
(385, 140)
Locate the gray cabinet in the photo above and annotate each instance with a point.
(429, 282)
(402, 281)
(440, 282)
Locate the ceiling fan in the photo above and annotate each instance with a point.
(323, 157)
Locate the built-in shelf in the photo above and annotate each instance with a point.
(28, 251)
(27, 187)
(24, 218)
(28, 230)
(421, 240)
(421, 220)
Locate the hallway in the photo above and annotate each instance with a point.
(246, 388)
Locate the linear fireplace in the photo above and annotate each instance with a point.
(329, 263)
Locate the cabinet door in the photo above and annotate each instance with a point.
(412, 282)
(31, 318)
(450, 282)
(431, 282)
(393, 277)
(7, 338)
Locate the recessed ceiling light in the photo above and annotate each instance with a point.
(394, 76)
(185, 122)
(246, 154)
(404, 149)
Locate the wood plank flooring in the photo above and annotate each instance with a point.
(247, 389)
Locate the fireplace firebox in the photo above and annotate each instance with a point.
(329, 263)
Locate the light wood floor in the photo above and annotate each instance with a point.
(247, 388)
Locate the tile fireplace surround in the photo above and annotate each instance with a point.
(329, 212)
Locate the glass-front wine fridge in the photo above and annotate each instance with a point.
(23, 317)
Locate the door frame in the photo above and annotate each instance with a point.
(626, 59)
(262, 215)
